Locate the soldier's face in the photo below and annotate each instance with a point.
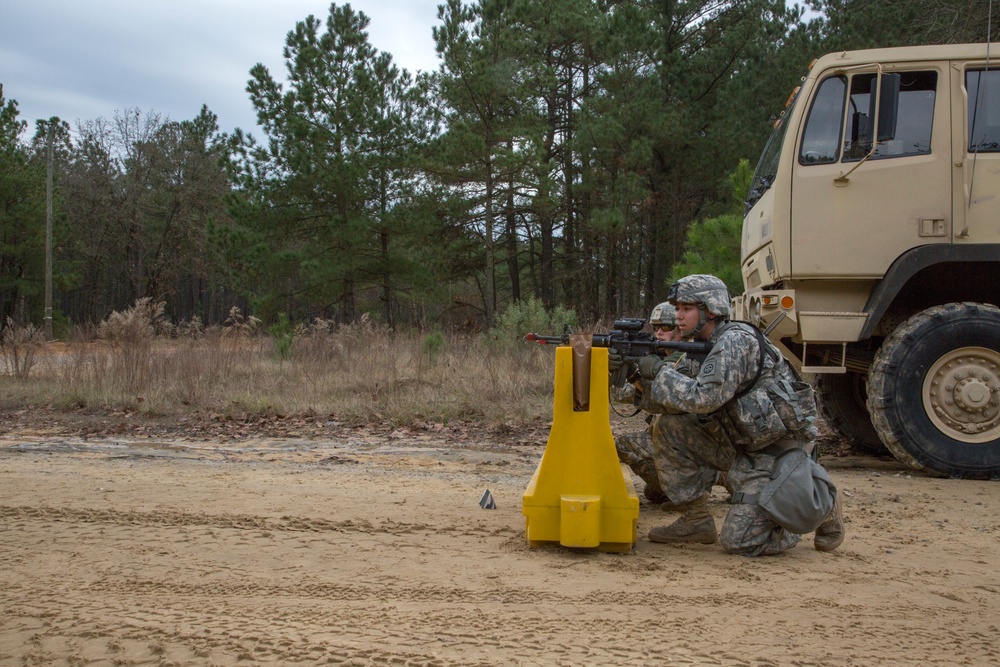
(687, 318)
(666, 333)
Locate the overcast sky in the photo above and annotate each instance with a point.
(84, 59)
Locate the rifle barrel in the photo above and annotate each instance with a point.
(546, 340)
(605, 340)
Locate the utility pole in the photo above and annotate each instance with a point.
(48, 237)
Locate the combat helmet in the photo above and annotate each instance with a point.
(663, 314)
(704, 290)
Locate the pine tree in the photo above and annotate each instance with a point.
(319, 215)
(482, 151)
(22, 220)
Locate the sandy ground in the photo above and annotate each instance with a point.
(372, 549)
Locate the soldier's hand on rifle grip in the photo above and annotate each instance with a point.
(615, 360)
(649, 366)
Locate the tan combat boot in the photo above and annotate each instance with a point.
(830, 533)
(694, 525)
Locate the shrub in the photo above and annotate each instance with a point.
(283, 332)
(135, 325)
(432, 343)
(529, 316)
(131, 334)
(18, 344)
(240, 326)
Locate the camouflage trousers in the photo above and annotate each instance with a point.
(636, 451)
(687, 457)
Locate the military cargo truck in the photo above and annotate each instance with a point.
(872, 249)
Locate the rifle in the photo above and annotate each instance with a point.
(628, 339)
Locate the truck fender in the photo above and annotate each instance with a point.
(912, 262)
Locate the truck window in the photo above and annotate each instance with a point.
(914, 118)
(767, 166)
(984, 110)
(821, 139)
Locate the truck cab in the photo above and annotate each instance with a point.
(871, 249)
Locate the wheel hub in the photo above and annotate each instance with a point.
(962, 394)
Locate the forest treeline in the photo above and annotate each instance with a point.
(561, 152)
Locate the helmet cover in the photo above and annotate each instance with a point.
(703, 290)
(664, 314)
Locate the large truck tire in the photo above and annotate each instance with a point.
(843, 400)
(934, 391)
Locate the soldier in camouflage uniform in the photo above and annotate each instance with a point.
(726, 418)
(636, 449)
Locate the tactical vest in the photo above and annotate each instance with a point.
(774, 404)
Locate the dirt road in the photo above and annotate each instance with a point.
(374, 551)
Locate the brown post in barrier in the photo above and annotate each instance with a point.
(581, 344)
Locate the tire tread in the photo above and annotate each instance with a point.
(881, 402)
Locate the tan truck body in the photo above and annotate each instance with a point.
(849, 243)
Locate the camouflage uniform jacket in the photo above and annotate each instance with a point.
(629, 395)
(733, 406)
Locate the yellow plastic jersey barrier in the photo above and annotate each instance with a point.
(580, 494)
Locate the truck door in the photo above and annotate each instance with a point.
(896, 198)
(976, 139)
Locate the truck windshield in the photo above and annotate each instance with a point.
(767, 167)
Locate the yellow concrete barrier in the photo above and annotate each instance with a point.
(580, 494)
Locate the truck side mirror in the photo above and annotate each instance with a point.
(888, 92)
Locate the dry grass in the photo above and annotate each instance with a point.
(358, 373)
(19, 345)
